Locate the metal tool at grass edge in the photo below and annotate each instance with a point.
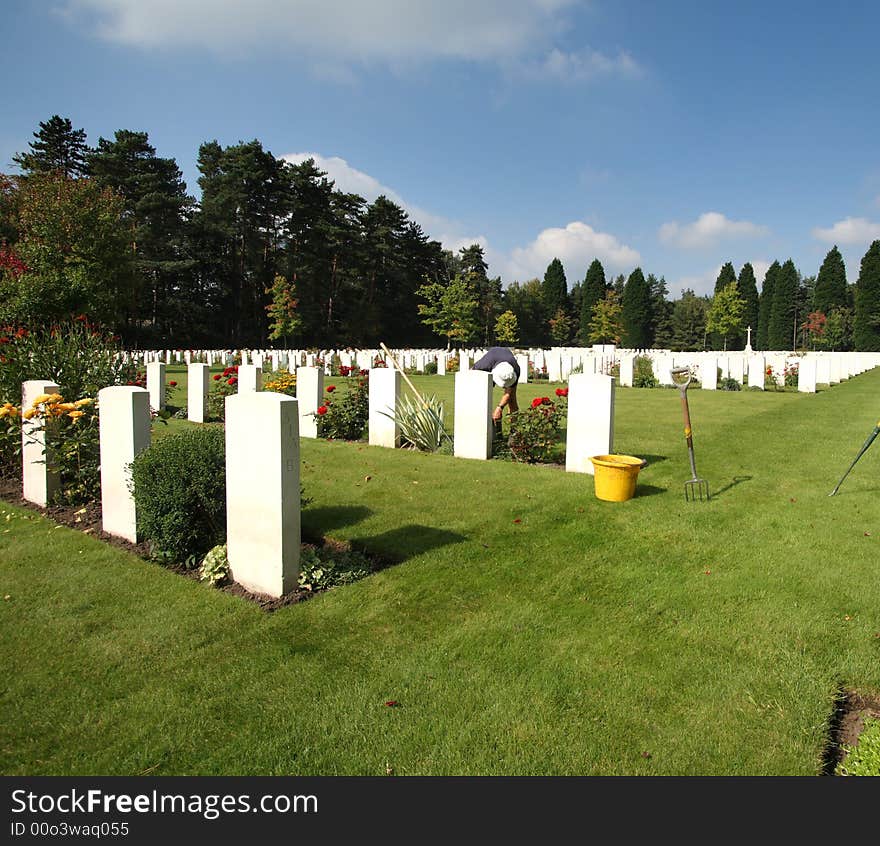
(862, 451)
(694, 488)
(413, 388)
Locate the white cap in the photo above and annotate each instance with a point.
(503, 375)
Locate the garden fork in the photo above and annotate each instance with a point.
(694, 488)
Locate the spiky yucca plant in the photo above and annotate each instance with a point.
(420, 422)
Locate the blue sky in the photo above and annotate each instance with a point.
(675, 135)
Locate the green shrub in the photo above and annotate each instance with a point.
(643, 373)
(430, 368)
(729, 384)
(180, 493)
(864, 759)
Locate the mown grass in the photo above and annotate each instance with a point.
(646, 637)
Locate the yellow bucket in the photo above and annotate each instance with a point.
(616, 476)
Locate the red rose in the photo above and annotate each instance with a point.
(546, 401)
(173, 384)
(536, 402)
(233, 380)
(562, 392)
(322, 409)
(217, 377)
(330, 388)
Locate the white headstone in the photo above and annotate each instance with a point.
(823, 369)
(807, 375)
(590, 420)
(250, 378)
(441, 364)
(756, 371)
(384, 393)
(523, 362)
(310, 393)
(156, 385)
(736, 367)
(473, 414)
(124, 426)
(709, 373)
(39, 477)
(262, 491)
(626, 370)
(197, 385)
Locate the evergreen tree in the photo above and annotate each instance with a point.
(555, 288)
(830, 291)
(57, 147)
(472, 265)
(156, 209)
(661, 312)
(525, 300)
(783, 314)
(765, 305)
(866, 321)
(636, 312)
(748, 290)
(689, 321)
(594, 290)
(725, 276)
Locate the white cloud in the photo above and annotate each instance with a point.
(353, 30)
(851, 231)
(703, 284)
(760, 267)
(707, 230)
(575, 246)
(582, 66)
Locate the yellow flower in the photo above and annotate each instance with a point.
(31, 412)
(66, 406)
(75, 415)
(55, 398)
(42, 398)
(85, 401)
(4, 412)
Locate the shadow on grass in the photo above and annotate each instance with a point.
(652, 459)
(397, 545)
(648, 490)
(328, 517)
(737, 480)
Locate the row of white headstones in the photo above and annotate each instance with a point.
(262, 473)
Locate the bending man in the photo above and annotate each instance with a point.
(502, 364)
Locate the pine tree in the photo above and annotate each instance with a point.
(555, 288)
(748, 290)
(866, 322)
(594, 290)
(525, 301)
(636, 312)
(689, 321)
(830, 292)
(765, 305)
(725, 276)
(661, 312)
(156, 208)
(58, 147)
(783, 314)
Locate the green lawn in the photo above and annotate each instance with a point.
(646, 637)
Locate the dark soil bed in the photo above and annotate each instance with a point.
(847, 724)
(87, 519)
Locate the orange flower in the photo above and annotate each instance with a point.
(75, 415)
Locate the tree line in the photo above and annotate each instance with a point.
(274, 254)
